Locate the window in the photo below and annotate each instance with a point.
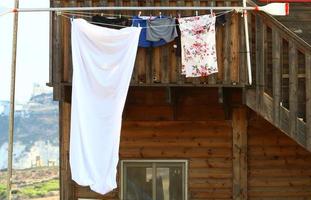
(154, 180)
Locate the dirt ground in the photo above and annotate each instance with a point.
(48, 198)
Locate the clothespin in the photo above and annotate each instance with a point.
(212, 13)
(196, 13)
(58, 13)
(139, 14)
(160, 15)
(179, 15)
(101, 14)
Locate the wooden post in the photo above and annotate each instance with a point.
(293, 86)
(308, 99)
(66, 184)
(239, 149)
(276, 62)
(12, 102)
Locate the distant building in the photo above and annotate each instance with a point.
(4, 108)
(40, 89)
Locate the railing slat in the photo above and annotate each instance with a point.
(308, 99)
(293, 85)
(276, 62)
(260, 39)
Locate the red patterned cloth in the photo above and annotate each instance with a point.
(198, 45)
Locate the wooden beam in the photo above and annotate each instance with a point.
(276, 62)
(293, 86)
(239, 149)
(308, 100)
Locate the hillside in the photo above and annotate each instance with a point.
(35, 132)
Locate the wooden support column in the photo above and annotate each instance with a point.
(308, 100)
(66, 184)
(239, 149)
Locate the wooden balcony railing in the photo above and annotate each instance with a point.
(282, 71)
(156, 66)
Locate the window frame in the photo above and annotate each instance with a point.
(156, 161)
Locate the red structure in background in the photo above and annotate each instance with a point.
(285, 1)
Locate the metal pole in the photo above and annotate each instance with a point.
(248, 55)
(238, 8)
(12, 101)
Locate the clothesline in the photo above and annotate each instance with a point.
(123, 15)
(78, 14)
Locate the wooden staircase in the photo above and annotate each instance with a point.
(281, 91)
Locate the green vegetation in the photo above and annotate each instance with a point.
(2, 191)
(39, 189)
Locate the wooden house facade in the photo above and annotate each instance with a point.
(214, 137)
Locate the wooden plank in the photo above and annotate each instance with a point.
(51, 45)
(57, 68)
(293, 86)
(180, 77)
(173, 65)
(260, 39)
(276, 62)
(308, 99)
(175, 152)
(156, 64)
(219, 50)
(234, 48)
(140, 65)
(212, 78)
(242, 54)
(66, 184)
(239, 150)
(226, 47)
(149, 54)
(165, 54)
(139, 72)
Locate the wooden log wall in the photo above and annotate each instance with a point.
(184, 123)
(154, 66)
(278, 168)
(281, 93)
(245, 157)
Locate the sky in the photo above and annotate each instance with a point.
(32, 50)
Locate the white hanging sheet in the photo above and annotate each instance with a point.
(103, 61)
